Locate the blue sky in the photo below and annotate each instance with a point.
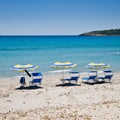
(57, 17)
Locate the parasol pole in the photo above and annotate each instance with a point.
(62, 73)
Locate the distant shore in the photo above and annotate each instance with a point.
(111, 32)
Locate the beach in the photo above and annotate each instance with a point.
(54, 102)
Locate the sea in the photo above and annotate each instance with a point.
(46, 50)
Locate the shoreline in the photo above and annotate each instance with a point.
(53, 74)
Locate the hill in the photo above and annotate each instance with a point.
(111, 32)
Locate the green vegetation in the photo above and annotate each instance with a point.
(110, 32)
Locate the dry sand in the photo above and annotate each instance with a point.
(51, 102)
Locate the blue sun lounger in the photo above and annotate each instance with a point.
(108, 76)
(22, 81)
(92, 75)
(90, 79)
(74, 76)
(36, 79)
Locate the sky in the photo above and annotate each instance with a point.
(57, 17)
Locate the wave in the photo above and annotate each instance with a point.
(19, 49)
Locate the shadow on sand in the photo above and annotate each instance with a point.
(100, 82)
(29, 88)
(67, 85)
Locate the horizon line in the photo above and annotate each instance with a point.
(38, 35)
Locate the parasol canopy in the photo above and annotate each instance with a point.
(63, 65)
(97, 66)
(24, 68)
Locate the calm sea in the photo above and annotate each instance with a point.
(45, 50)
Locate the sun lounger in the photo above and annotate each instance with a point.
(74, 76)
(36, 79)
(22, 81)
(108, 76)
(90, 79)
(92, 75)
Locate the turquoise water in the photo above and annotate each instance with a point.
(45, 50)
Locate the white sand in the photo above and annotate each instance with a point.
(51, 102)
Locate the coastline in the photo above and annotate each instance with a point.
(51, 102)
(110, 32)
(98, 35)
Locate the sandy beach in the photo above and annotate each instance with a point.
(51, 102)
